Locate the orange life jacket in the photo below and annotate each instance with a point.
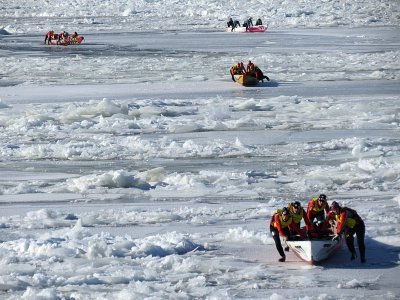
(315, 207)
(347, 218)
(235, 70)
(282, 223)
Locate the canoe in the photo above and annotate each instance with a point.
(236, 29)
(257, 28)
(246, 80)
(315, 251)
(68, 41)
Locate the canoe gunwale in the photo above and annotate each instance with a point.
(315, 251)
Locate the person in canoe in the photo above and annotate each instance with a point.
(237, 69)
(250, 68)
(64, 37)
(255, 71)
(317, 212)
(298, 213)
(75, 38)
(281, 225)
(348, 222)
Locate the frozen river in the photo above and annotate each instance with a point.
(131, 166)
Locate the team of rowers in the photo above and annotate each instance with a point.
(63, 37)
(322, 221)
(251, 69)
(247, 23)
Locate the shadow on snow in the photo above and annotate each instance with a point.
(377, 254)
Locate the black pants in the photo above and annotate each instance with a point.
(277, 240)
(359, 230)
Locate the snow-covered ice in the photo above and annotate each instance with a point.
(132, 167)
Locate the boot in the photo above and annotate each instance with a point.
(353, 256)
(282, 259)
(287, 248)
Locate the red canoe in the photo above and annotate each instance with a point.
(67, 41)
(257, 28)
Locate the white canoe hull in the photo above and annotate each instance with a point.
(314, 251)
(236, 29)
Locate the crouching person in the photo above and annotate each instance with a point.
(280, 226)
(260, 75)
(48, 37)
(349, 223)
